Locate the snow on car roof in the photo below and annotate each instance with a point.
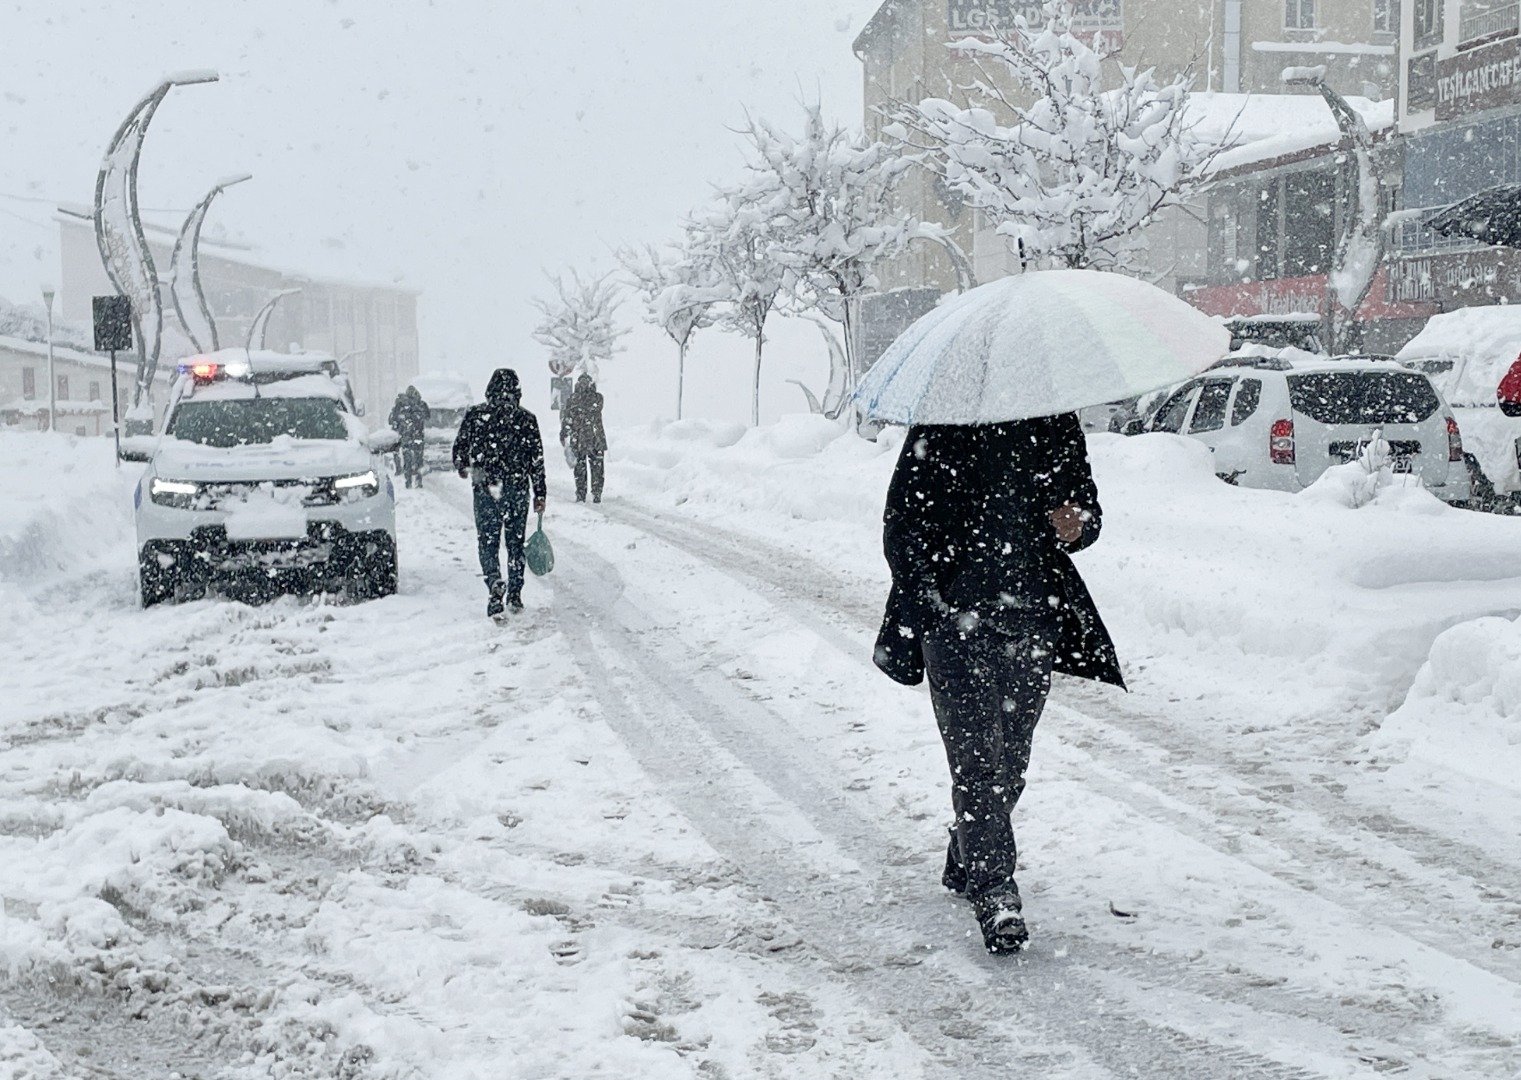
(1480, 344)
(444, 390)
(301, 386)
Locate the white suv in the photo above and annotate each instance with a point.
(1279, 419)
(263, 478)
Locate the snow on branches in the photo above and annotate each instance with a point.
(1068, 171)
(678, 297)
(578, 324)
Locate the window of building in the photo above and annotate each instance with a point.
(1267, 232)
(95, 391)
(1428, 23)
(1386, 16)
(1309, 217)
(1299, 14)
(63, 388)
(29, 383)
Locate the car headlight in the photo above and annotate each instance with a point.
(363, 485)
(180, 494)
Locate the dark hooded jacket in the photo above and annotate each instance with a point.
(968, 537)
(499, 441)
(409, 416)
(581, 420)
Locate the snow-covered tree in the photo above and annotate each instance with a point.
(736, 244)
(678, 297)
(827, 196)
(1067, 170)
(578, 325)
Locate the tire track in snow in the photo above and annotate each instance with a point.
(781, 578)
(1417, 867)
(1063, 1004)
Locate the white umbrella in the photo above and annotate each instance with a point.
(1039, 344)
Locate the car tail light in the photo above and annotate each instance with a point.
(1281, 442)
(1454, 441)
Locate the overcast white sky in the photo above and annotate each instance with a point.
(463, 146)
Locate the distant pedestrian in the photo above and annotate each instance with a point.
(979, 523)
(500, 451)
(582, 432)
(409, 419)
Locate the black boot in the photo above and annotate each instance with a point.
(494, 605)
(1001, 919)
(954, 877)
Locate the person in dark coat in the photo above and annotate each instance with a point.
(978, 529)
(582, 431)
(500, 451)
(409, 419)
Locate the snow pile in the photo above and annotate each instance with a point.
(66, 506)
(1481, 342)
(1464, 711)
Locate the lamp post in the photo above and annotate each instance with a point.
(47, 301)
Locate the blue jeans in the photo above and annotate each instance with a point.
(501, 514)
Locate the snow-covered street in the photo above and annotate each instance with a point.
(672, 821)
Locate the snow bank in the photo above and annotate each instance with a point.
(1482, 343)
(1464, 711)
(1301, 603)
(66, 506)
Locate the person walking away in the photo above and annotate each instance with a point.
(978, 528)
(581, 430)
(409, 419)
(500, 451)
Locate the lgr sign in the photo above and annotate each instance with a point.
(980, 18)
(1481, 79)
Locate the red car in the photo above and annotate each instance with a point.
(1510, 390)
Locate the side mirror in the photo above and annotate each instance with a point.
(138, 448)
(384, 441)
(1134, 426)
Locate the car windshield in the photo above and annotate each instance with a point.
(1363, 397)
(247, 421)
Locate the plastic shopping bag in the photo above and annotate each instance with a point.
(539, 552)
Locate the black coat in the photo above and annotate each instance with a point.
(968, 537)
(581, 420)
(409, 417)
(499, 441)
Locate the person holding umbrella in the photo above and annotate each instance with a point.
(991, 496)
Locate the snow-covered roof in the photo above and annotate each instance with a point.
(1480, 342)
(1262, 127)
(62, 352)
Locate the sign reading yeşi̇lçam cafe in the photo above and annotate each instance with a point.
(1480, 79)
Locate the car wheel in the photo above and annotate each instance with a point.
(373, 571)
(155, 581)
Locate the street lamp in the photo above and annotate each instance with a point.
(47, 301)
(1360, 245)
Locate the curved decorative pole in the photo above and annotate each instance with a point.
(260, 324)
(190, 305)
(119, 229)
(966, 277)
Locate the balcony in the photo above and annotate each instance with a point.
(1410, 235)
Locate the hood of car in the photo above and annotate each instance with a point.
(284, 459)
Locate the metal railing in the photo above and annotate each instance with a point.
(1489, 22)
(1410, 234)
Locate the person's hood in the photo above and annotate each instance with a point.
(585, 383)
(504, 388)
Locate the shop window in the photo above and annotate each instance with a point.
(1299, 14)
(1267, 232)
(29, 383)
(1309, 215)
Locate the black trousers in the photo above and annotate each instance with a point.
(501, 518)
(989, 690)
(412, 461)
(596, 465)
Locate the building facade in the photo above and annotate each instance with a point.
(1233, 47)
(83, 390)
(372, 328)
(1460, 115)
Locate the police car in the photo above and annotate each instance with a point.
(264, 478)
